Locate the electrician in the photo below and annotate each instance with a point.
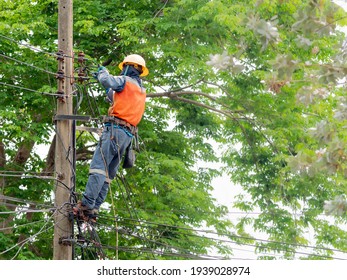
(127, 97)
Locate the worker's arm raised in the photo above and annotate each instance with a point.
(117, 83)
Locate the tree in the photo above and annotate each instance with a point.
(243, 73)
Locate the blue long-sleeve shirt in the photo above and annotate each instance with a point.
(117, 83)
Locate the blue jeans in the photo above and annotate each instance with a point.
(104, 165)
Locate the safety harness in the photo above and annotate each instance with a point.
(122, 123)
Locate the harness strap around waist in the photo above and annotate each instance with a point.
(120, 122)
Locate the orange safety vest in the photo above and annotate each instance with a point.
(129, 104)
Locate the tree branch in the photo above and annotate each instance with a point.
(230, 114)
(175, 96)
(225, 113)
(24, 152)
(175, 93)
(49, 168)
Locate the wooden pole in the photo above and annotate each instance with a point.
(62, 250)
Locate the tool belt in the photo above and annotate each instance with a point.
(120, 122)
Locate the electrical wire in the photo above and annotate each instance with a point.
(16, 206)
(187, 254)
(235, 236)
(263, 246)
(137, 221)
(127, 197)
(10, 198)
(238, 237)
(156, 252)
(23, 242)
(91, 98)
(21, 225)
(29, 239)
(238, 213)
(256, 246)
(34, 48)
(32, 90)
(27, 211)
(125, 232)
(243, 237)
(35, 177)
(30, 65)
(67, 153)
(40, 69)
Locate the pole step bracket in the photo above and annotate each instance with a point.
(66, 241)
(71, 117)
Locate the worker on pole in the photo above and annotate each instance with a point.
(127, 97)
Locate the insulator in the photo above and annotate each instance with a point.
(60, 55)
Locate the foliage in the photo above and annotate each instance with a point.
(253, 76)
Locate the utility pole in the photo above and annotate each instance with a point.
(64, 132)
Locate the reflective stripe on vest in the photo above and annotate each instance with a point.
(129, 104)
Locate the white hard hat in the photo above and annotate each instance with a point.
(135, 59)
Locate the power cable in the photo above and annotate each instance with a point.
(238, 213)
(130, 206)
(266, 247)
(36, 177)
(21, 225)
(23, 242)
(10, 198)
(25, 172)
(94, 108)
(27, 211)
(156, 252)
(125, 232)
(41, 69)
(128, 197)
(32, 90)
(67, 153)
(30, 65)
(177, 248)
(29, 239)
(235, 236)
(283, 243)
(33, 48)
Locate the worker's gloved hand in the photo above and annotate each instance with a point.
(101, 68)
(95, 74)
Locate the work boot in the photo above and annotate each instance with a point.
(93, 216)
(82, 211)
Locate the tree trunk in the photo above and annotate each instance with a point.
(20, 159)
(49, 168)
